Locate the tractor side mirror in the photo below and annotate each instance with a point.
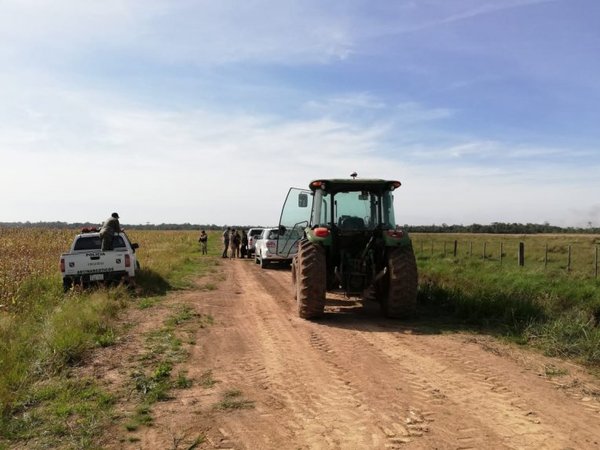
(302, 200)
(282, 230)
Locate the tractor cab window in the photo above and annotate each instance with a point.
(388, 210)
(355, 210)
(322, 209)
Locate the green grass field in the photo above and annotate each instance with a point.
(541, 252)
(44, 333)
(542, 303)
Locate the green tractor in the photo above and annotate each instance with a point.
(348, 243)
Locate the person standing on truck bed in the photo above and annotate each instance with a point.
(108, 230)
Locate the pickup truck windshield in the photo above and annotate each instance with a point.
(94, 243)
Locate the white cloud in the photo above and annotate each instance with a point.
(76, 155)
(71, 151)
(203, 33)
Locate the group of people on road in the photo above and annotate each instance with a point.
(235, 245)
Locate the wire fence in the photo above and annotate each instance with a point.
(569, 253)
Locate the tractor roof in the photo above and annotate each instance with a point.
(345, 185)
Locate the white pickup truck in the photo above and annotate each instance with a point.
(273, 247)
(85, 263)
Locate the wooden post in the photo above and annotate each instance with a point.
(521, 254)
(455, 247)
(501, 251)
(484, 250)
(569, 260)
(546, 257)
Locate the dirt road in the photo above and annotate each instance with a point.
(355, 380)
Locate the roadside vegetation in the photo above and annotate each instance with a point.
(45, 334)
(540, 304)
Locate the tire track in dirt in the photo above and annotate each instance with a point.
(326, 410)
(523, 414)
(488, 394)
(356, 380)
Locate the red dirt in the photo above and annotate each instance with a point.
(353, 380)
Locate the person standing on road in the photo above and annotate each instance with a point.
(109, 228)
(235, 244)
(203, 239)
(244, 247)
(226, 241)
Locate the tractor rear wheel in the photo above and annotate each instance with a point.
(310, 276)
(399, 290)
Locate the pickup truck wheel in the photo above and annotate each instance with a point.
(310, 279)
(67, 284)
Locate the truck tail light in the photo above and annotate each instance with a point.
(62, 264)
(321, 232)
(127, 261)
(271, 244)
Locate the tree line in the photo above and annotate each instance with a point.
(162, 226)
(502, 228)
(493, 228)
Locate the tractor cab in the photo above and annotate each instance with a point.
(340, 208)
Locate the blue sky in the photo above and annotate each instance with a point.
(206, 112)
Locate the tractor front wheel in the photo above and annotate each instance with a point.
(399, 291)
(310, 277)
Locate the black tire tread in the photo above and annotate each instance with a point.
(400, 297)
(310, 279)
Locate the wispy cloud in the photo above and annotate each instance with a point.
(174, 101)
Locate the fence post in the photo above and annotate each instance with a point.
(455, 247)
(501, 251)
(546, 257)
(521, 254)
(569, 260)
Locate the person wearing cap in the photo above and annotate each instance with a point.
(203, 239)
(108, 230)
